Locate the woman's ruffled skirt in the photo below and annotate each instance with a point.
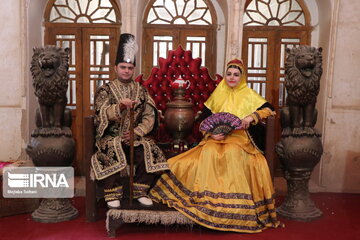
(222, 185)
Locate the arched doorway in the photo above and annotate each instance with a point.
(169, 23)
(269, 28)
(91, 30)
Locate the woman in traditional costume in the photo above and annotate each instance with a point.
(224, 183)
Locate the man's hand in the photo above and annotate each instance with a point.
(245, 123)
(126, 137)
(218, 137)
(128, 103)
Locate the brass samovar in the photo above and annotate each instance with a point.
(179, 115)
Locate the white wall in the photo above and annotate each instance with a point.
(12, 91)
(35, 38)
(340, 165)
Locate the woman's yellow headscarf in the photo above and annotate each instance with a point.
(240, 100)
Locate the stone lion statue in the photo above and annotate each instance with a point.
(303, 69)
(49, 69)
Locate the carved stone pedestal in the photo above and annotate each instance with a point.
(52, 210)
(298, 205)
(53, 151)
(298, 156)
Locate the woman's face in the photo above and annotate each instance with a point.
(233, 77)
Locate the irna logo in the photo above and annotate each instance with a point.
(34, 180)
(38, 182)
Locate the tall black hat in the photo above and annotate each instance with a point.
(127, 49)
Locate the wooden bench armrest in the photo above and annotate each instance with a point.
(270, 144)
(90, 187)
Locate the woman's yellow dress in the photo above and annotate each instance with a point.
(223, 185)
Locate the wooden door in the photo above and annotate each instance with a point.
(170, 23)
(92, 57)
(158, 41)
(202, 44)
(264, 56)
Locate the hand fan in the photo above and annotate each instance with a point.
(221, 122)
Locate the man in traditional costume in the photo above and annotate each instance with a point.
(224, 183)
(113, 102)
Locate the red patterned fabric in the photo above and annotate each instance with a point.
(179, 62)
(4, 164)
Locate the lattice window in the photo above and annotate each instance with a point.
(166, 26)
(285, 43)
(274, 13)
(257, 64)
(197, 46)
(161, 44)
(68, 41)
(83, 11)
(194, 12)
(100, 65)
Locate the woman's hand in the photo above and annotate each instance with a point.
(218, 137)
(245, 123)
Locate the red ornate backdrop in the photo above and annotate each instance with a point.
(179, 62)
